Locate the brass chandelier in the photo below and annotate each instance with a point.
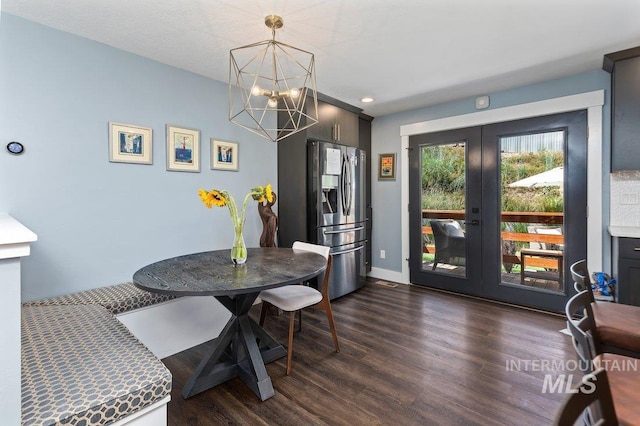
(272, 87)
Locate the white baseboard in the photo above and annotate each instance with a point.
(178, 324)
(385, 274)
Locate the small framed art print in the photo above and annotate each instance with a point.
(387, 166)
(224, 155)
(183, 149)
(130, 144)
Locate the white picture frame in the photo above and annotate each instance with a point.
(224, 155)
(129, 143)
(183, 149)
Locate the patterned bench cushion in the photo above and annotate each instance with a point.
(81, 366)
(116, 298)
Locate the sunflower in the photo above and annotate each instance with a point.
(218, 199)
(212, 198)
(269, 193)
(262, 193)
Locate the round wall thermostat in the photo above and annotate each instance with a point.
(15, 148)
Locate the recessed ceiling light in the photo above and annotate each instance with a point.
(366, 99)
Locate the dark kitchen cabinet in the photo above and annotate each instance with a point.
(292, 202)
(365, 144)
(629, 271)
(335, 124)
(625, 123)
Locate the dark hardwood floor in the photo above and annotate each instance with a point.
(409, 355)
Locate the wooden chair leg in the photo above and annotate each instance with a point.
(332, 326)
(263, 312)
(292, 317)
(300, 320)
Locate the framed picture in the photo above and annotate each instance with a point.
(387, 167)
(224, 155)
(183, 149)
(130, 144)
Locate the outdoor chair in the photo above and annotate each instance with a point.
(538, 252)
(449, 241)
(617, 325)
(294, 298)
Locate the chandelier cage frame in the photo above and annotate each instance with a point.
(275, 78)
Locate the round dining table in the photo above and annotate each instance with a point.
(243, 347)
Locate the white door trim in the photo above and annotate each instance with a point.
(591, 101)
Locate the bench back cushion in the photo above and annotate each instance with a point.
(116, 298)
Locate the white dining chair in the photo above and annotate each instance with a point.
(294, 298)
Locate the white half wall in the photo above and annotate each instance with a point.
(15, 242)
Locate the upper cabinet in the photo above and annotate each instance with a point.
(624, 67)
(335, 124)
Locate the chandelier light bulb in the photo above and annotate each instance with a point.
(256, 90)
(294, 93)
(273, 102)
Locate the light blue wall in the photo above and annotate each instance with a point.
(386, 138)
(98, 222)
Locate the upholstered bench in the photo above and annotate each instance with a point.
(81, 366)
(116, 299)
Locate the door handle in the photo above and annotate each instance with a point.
(343, 179)
(337, 253)
(474, 222)
(350, 188)
(342, 231)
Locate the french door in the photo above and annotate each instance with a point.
(499, 211)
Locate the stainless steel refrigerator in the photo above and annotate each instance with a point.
(336, 215)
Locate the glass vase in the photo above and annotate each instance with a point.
(239, 250)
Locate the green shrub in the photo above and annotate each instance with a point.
(443, 180)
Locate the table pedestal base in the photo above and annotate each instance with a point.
(241, 351)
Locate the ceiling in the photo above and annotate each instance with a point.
(404, 53)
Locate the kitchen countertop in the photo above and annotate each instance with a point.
(624, 231)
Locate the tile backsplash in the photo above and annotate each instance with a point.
(625, 198)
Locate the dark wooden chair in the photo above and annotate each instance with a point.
(623, 380)
(576, 404)
(294, 298)
(449, 241)
(617, 325)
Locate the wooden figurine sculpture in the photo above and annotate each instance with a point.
(269, 223)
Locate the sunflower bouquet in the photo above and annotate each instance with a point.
(221, 198)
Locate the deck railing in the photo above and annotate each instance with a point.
(546, 218)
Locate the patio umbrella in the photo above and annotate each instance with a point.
(553, 177)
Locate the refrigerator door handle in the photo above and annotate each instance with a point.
(342, 231)
(344, 184)
(350, 186)
(347, 251)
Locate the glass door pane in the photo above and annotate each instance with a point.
(532, 202)
(534, 208)
(443, 208)
(444, 213)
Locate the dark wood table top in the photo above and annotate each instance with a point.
(213, 274)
